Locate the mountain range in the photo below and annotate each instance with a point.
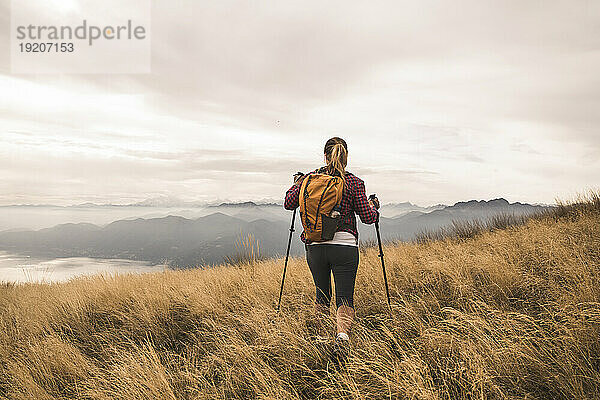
(398, 209)
(211, 239)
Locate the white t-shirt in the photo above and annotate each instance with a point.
(343, 238)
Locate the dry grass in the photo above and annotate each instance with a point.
(509, 314)
(468, 229)
(247, 252)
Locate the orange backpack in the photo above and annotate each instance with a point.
(320, 194)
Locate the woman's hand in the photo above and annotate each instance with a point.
(374, 202)
(298, 178)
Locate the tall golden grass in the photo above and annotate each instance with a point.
(508, 314)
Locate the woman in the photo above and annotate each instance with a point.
(339, 255)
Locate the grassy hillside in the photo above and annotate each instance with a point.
(507, 314)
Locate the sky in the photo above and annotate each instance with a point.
(439, 101)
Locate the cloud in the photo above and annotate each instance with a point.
(470, 100)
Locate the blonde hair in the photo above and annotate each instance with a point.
(336, 155)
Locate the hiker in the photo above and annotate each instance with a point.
(329, 197)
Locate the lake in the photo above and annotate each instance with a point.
(21, 269)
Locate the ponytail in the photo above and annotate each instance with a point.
(336, 155)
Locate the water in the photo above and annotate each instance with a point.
(21, 269)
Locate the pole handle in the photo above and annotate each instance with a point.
(372, 197)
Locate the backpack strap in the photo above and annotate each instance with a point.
(306, 220)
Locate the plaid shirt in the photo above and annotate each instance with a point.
(354, 201)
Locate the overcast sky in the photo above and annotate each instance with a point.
(439, 102)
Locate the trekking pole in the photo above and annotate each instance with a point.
(287, 256)
(287, 253)
(387, 289)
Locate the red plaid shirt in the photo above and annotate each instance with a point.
(354, 201)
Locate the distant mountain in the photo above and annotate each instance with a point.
(407, 226)
(246, 204)
(167, 202)
(251, 211)
(174, 202)
(180, 241)
(211, 238)
(398, 209)
(159, 202)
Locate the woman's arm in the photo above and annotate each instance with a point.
(367, 213)
(292, 196)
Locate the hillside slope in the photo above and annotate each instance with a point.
(509, 314)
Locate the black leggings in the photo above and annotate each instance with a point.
(343, 261)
